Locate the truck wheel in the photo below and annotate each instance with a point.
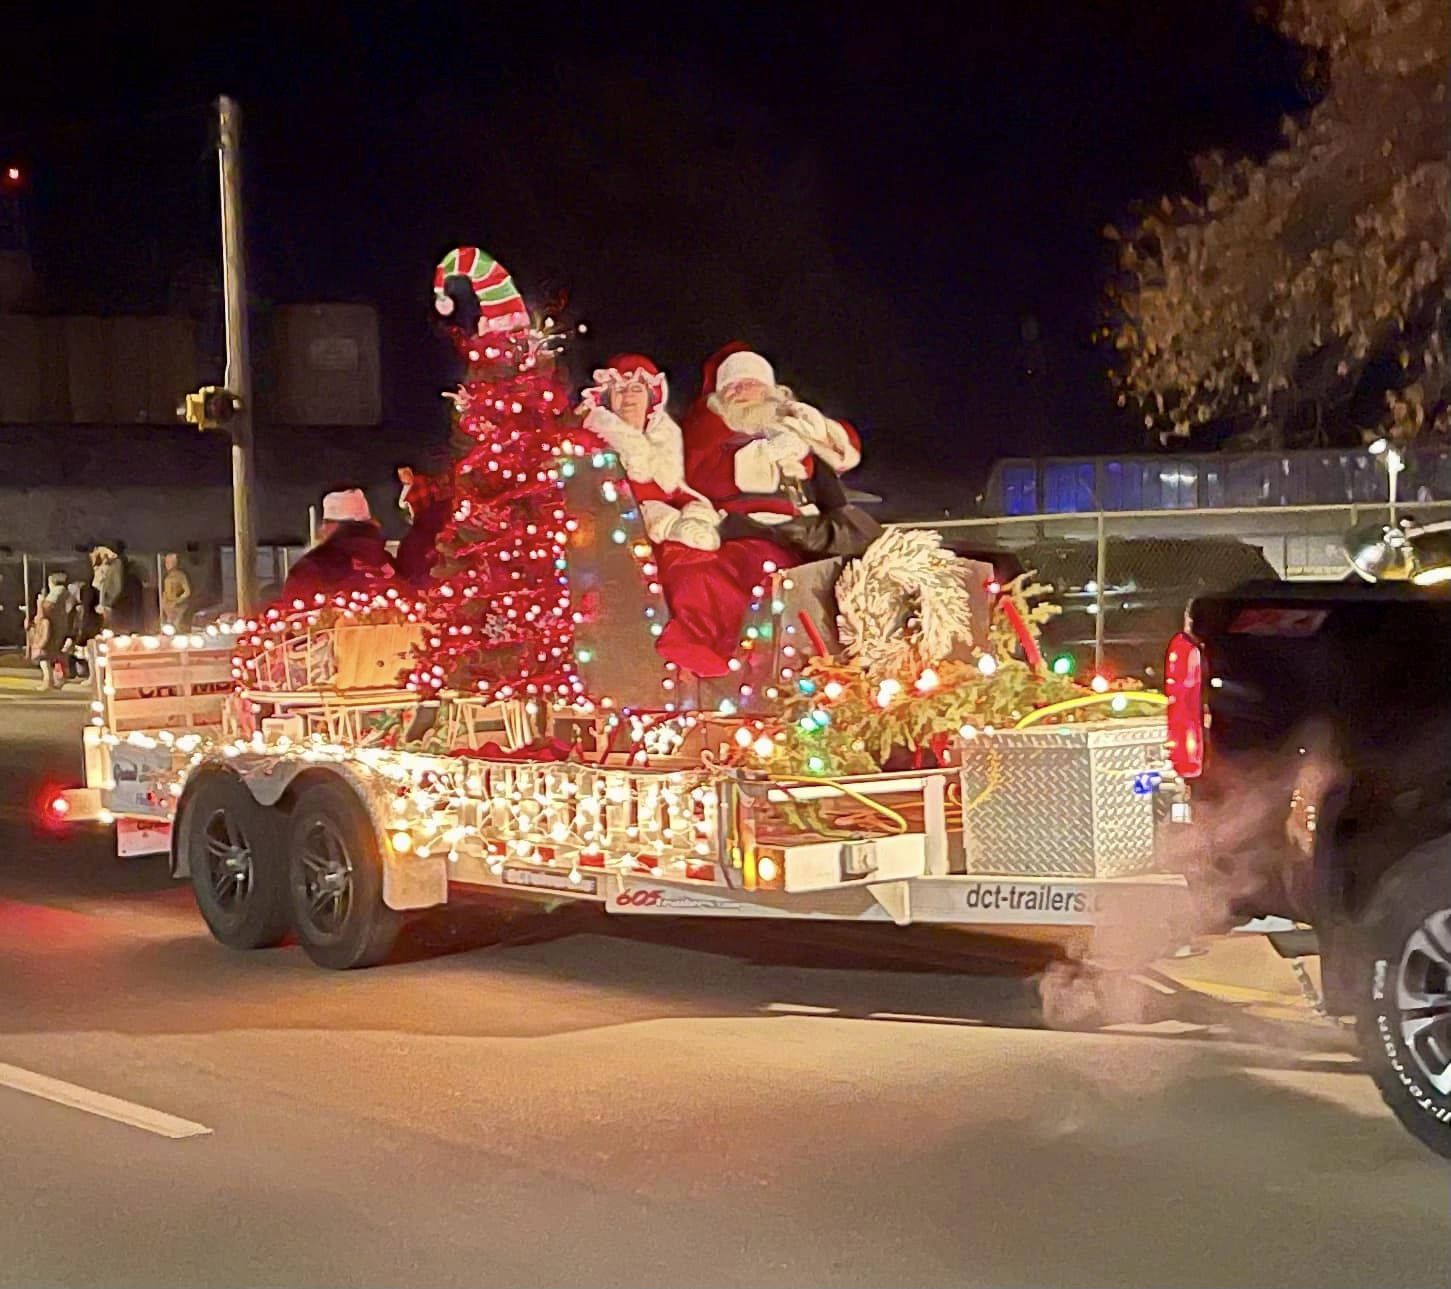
(1405, 987)
(236, 850)
(336, 881)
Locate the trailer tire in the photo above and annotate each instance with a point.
(237, 855)
(1404, 1017)
(335, 881)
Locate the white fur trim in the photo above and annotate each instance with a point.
(744, 366)
(654, 455)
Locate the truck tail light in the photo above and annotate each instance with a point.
(1184, 686)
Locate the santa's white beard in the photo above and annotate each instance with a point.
(754, 417)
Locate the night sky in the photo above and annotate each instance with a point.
(875, 199)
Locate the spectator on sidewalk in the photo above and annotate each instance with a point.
(175, 595)
(85, 625)
(50, 632)
(88, 612)
(120, 591)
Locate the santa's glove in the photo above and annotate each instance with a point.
(827, 438)
(784, 445)
(794, 467)
(804, 419)
(811, 425)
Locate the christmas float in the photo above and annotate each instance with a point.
(664, 666)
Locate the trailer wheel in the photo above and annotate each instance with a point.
(1405, 989)
(237, 856)
(336, 881)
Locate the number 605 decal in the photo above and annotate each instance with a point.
(640, 899)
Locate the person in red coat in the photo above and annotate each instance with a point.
(626, 408)
(349, 556)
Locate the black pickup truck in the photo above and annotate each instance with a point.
(1310, 732)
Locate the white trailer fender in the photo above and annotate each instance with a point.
(410, 881)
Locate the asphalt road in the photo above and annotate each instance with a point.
(528, 1098)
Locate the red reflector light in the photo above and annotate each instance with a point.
(1184, 687)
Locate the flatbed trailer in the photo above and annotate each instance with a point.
(299, 812)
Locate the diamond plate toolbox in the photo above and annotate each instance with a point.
(1059, 801)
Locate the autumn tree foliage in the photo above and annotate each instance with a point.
(1304, 298)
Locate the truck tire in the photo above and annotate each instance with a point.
(1405, 989)
(335, 881)
(237, 855)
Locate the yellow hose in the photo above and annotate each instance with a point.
(859, 797)
(1150, 696)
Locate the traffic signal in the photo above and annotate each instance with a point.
(210, 408)
(1064, 664)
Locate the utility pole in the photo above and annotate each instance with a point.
(239, 360)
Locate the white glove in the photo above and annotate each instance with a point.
(825, 437)
(698, 526)
(785, 445)
(762, 463)
(695, 533)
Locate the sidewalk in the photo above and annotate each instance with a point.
(15, 683)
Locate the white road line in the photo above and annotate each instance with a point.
(98, 1103)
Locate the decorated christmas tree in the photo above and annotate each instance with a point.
(500, 623)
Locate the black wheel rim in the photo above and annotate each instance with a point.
(325, 876)
(230, 868)
(1423, 998)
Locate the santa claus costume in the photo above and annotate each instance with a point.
(626, 408)
(752, 449)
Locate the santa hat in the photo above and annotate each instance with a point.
(744, 364)
(347, 506)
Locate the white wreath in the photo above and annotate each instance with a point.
(904, 595)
